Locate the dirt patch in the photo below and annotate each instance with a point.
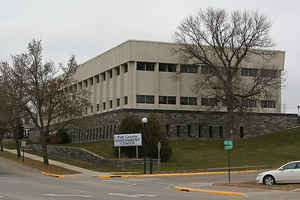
(285, 187)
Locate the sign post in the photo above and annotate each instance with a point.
(23, 145)
(126, 140)
(228, 147)
(158, 153)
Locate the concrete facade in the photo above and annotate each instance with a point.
(139, 77)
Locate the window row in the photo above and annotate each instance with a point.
(199, 131)
(250, 103)
(166, 67)
(102, 76)
(259, 72)
(149, 99)
(110, 103)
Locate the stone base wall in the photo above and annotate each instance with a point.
(182, 124)
(84, 155)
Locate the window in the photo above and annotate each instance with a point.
(251, 103)
(103, 76)
(248, 72)
(110, 73)
(80, 85)
(97, 78)
(200, 131)
(206, 69)
(167, 129)
(192, 100)
(148, 99)
(221, 131)
(210, 129)
(188, 68)
(118, 102)
(92, 109)
(125, 68)
(91, 81)
(145, 66)
(110, 104)
(98, 107)
(189, 130)
(178, 131)
(125, 100)
(269, 73)
(290, 166)
(209, 101)
(117, 71)
(268, 104)
(104, 106)
(184, 101)
(241, 132)
(188, 100)
(75, 87)
(163, 67)
(167, 100)
(86, 110)
(85, 83)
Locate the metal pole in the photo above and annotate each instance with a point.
(119, 152)
(137, 152)
(228, 160)
(151, 164)
(23, 153)
(144, 149)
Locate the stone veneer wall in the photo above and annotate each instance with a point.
(182, 124)
(84, 155)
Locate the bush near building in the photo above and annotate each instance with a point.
(153, 133)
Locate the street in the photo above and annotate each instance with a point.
(18, 182)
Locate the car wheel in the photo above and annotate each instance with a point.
(269, 180)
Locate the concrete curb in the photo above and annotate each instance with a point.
(185, 189)
(172, 174)
(53, 175)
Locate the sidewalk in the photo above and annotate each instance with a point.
(82, 171)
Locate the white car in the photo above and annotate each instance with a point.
(288, 173)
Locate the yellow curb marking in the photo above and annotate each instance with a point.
(172, 174)
(210, 191)
(54, 175)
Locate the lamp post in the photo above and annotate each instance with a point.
(144, 121)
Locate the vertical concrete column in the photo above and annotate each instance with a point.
(133, 77)
(100, 90)
(114, 87)
(156, 85)
(107, 99)
(121, 86)
(178, 86)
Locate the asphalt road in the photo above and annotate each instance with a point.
(19, 183)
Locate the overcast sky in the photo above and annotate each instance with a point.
(87, 28)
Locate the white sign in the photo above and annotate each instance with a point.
(125, 140)
(23, 143)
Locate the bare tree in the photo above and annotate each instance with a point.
(11, 105)
(222, 43)
(53, 100)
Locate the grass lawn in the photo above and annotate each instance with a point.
(267, 151)
(36, 164)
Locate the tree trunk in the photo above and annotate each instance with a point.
(44, 148)
(1, 143)
(18, 148)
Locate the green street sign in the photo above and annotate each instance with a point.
(227, 144)
(227, 147)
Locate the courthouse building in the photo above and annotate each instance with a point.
(142, 77)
